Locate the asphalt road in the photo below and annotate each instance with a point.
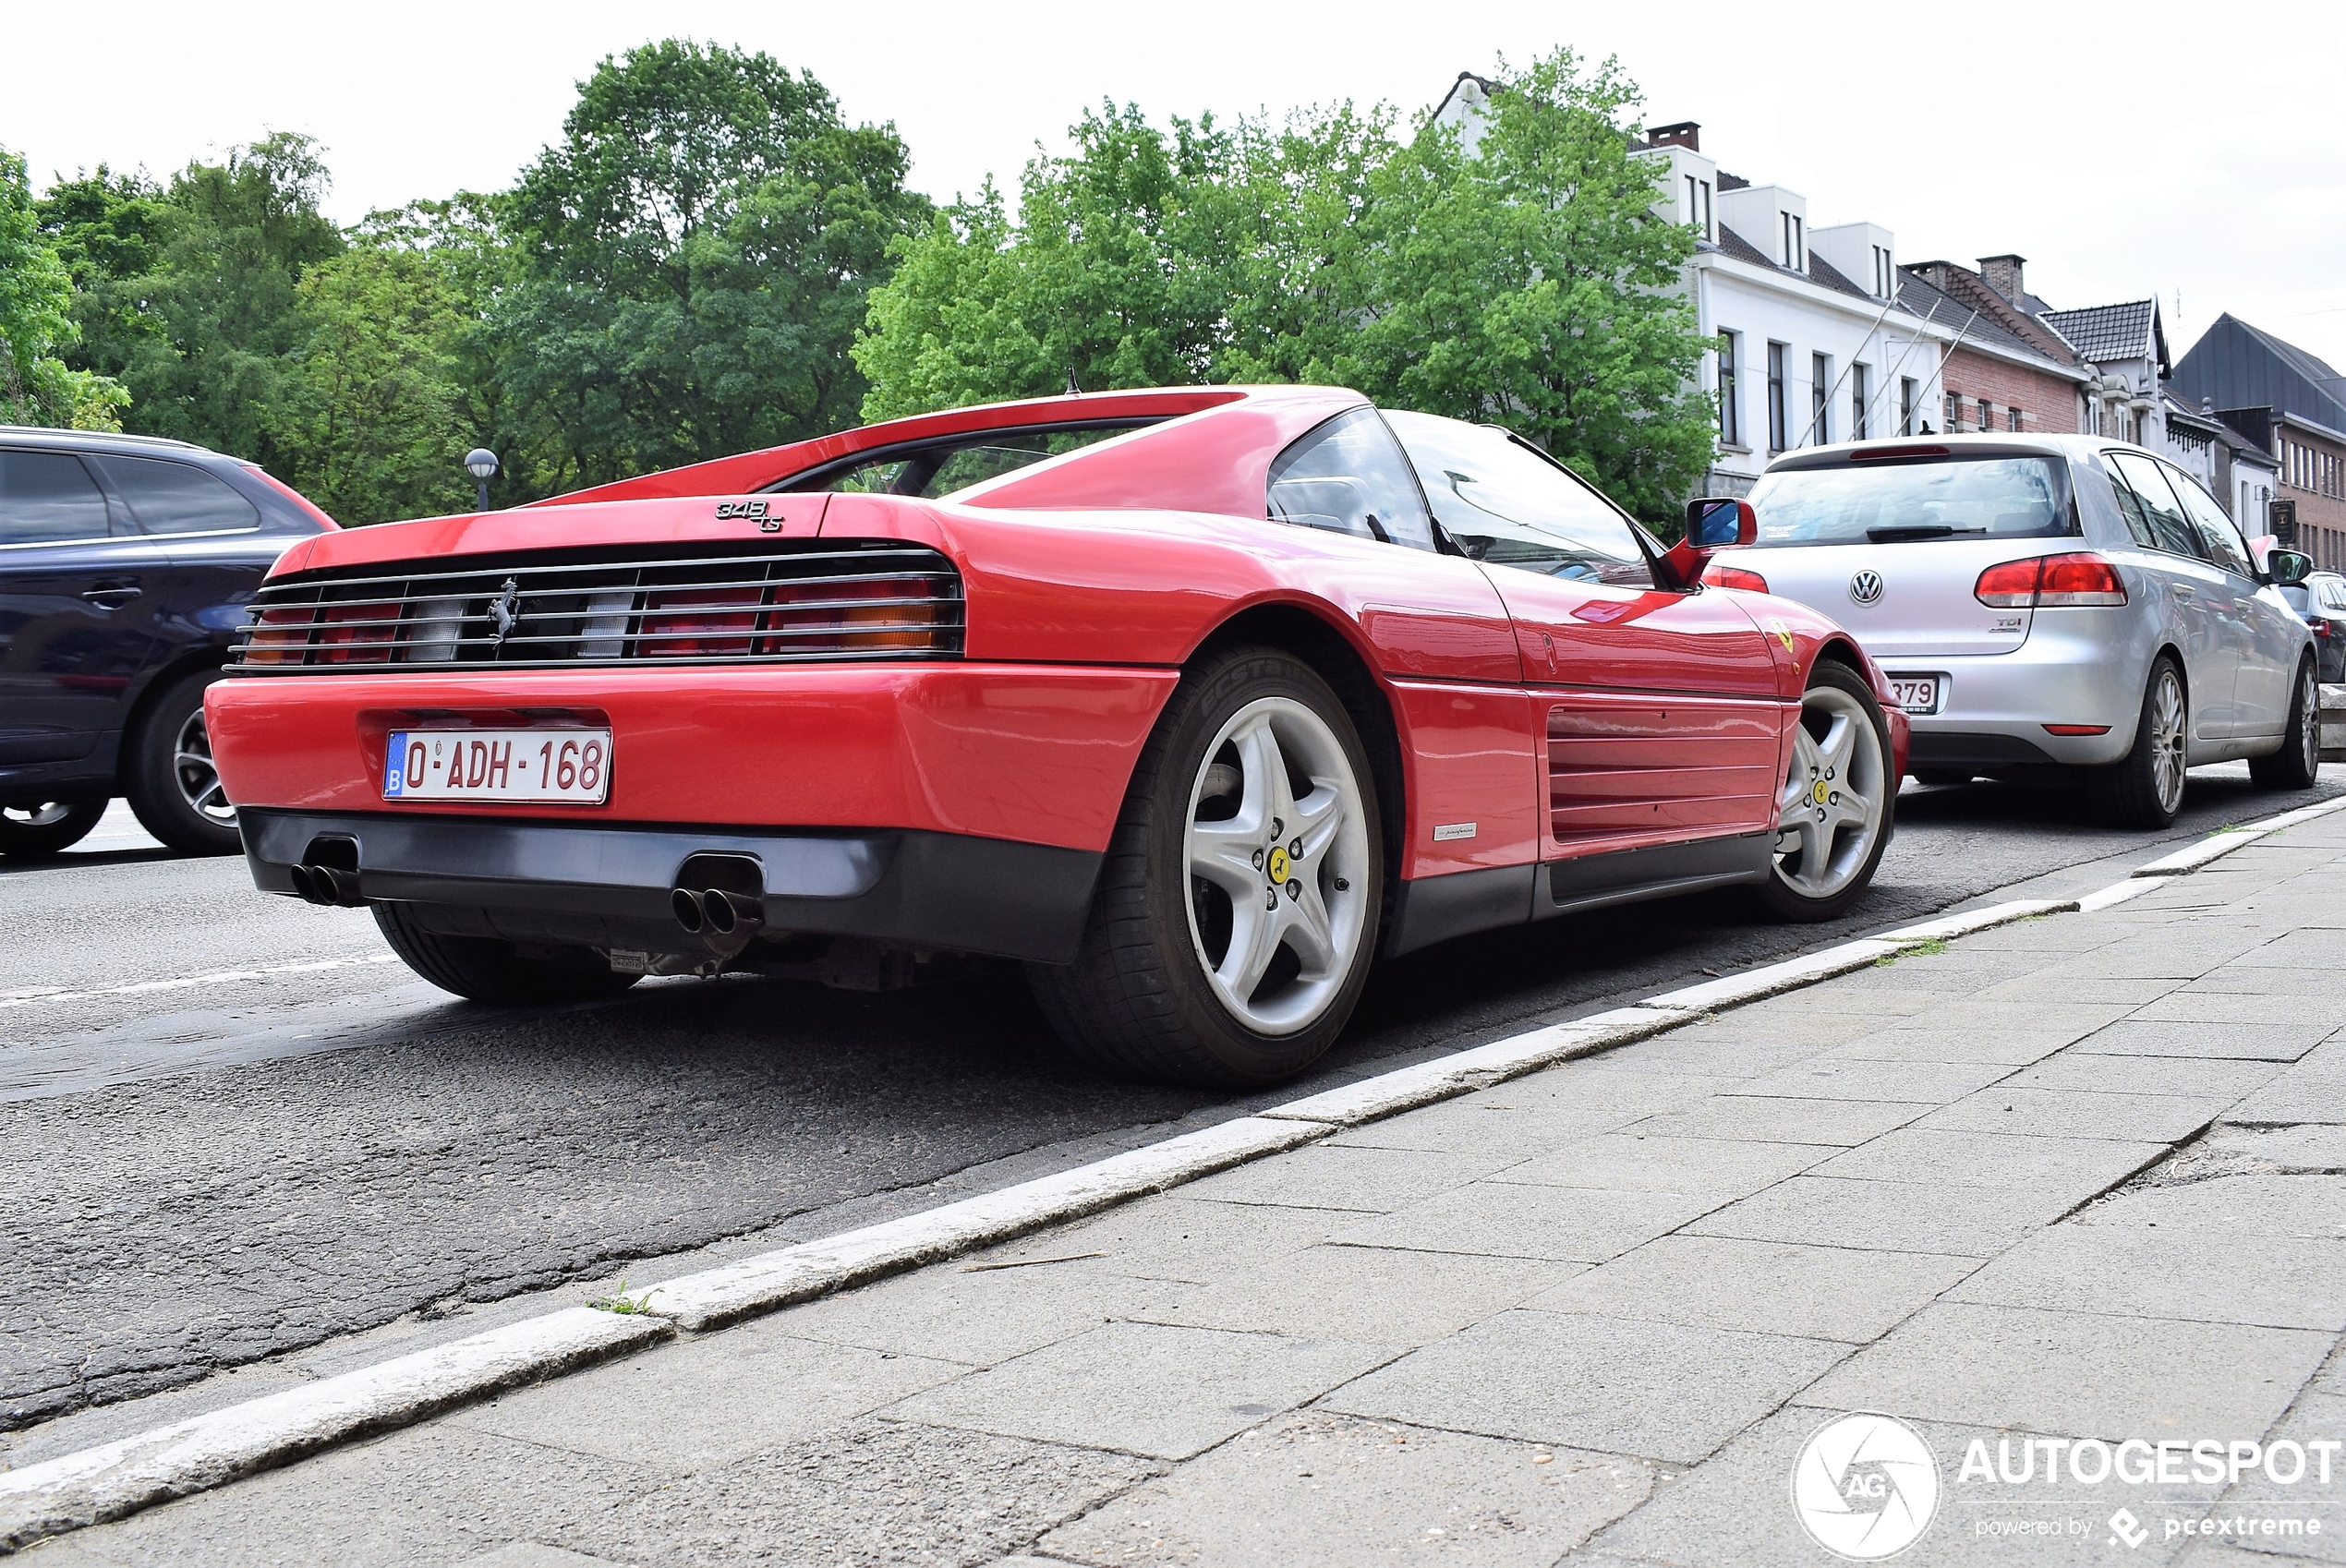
(230, 1126)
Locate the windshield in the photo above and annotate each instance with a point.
(1879, 502)
(1505, 504)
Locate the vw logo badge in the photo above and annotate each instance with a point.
(1866, 587)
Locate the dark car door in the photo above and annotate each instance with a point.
(1658, 708)
(78, 608)
(212, 536)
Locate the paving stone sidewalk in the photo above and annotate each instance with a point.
(2082, 1178)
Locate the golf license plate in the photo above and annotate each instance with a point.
(1920, 693)
(569, 765)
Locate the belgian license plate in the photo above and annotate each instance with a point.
(572, 765)
(1918, 693)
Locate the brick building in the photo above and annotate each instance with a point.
(2005, 369)
(2291, 404)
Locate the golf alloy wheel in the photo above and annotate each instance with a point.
(2168, 714)
(1277, 853)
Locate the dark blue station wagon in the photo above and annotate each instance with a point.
(125, 565)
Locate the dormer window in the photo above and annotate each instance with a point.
(1698, 207)
(1794, 256)
(1885, 275)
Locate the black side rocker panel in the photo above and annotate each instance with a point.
(1436, 908)
(608, 884)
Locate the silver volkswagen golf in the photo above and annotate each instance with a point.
(2048, 602)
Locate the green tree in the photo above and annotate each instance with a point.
(190, 295)
(374, 417)
(694, 257)
(36, 322)
(1528, 282)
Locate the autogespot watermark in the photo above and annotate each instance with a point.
(1867, 1486)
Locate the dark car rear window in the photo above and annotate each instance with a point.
(48, 498)
(176, 498)
(1897, 501)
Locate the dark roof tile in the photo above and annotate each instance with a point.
(2106, 331)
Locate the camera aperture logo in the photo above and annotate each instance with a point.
(1866, 1485)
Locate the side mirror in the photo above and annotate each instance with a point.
(1718, 523)
(2288, 567)
(1713, 523)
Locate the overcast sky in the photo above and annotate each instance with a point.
(2190, 150)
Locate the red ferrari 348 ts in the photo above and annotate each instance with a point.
(1193, 701)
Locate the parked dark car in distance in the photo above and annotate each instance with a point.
(2321, 600)
(125, 565)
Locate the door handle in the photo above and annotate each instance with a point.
(2182, 592)
(112, 595)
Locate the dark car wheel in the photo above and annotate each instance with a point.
(1836, 807)
(1236, 916)
(2298, 761)
(168, 775)
(33, 833)
(2146, 788)
(481, 970)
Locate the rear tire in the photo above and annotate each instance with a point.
(2298, 761)
(481, 970)
(169, 776)
(1254, 787)
(2146, 788)
(36, 832)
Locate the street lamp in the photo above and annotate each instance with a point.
(482, 464)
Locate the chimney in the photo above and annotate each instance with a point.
(1686, 134)
(1932, 272)
(2003, 274)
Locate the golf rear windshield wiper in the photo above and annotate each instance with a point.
(1893, 532)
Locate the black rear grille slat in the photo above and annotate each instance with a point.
(651, 612)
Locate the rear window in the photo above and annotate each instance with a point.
(176, 498)
(939, 468)
(1892, 503)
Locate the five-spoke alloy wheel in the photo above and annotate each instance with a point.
(1835, 806)
(1237, 913)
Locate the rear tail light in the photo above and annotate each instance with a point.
(2321, 628)
(357, 633)
(279, 636)
(865, 614)
(2050, 581)
(1719, 576)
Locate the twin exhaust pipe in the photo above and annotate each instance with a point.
(335, 885)
(712, 911)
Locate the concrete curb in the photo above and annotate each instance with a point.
(773, 1279)
(117, 1478)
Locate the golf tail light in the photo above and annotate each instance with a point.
(1719, 576)
(2050, 581)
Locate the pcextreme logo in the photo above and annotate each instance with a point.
(1866, 1485)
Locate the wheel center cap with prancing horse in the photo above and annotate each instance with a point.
(1278, 866)
(1821, 792)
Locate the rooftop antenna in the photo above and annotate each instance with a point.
(1072, 390)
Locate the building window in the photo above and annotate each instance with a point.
(1952, 412)
(2011, 419)
(1819, 388)
(1885, 276)
(1730, 403)
(1859, 376)
(1910, 394)
(1795, 254)
(1775, 397)
(1698, 206)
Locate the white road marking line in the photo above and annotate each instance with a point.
(117, 1478)
(27, 997)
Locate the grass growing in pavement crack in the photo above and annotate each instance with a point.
(1931, 949)
(619, 1301)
